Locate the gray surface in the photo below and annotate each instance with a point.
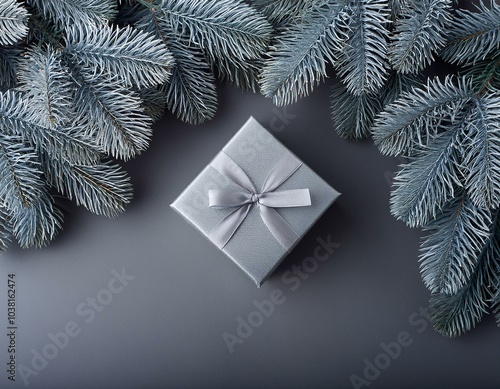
(165, 328)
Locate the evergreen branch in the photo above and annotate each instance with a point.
(416, 116)
(136, 57)
(299, 60)
(283, 12)
(103, 189)
(67, 13)
(472, 36)
(363, 63)
(243, 74)
(21, 181)
(222, 28)
(419, 34)
(427, 182)
(13, 22)
(18, 116)
(454, 314)
(8, 66)
(37, 224)
(353, 115)
(397, 7)
(190, 94)
(485, 75)
(5, 230)
(43, 31)
(481, 152)
(116, 118)
(153, 103)
(451, 250)
(46, 83)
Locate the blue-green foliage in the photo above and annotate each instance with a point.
(71, 98)
(81, 81)
(209, 39)
(446, 129)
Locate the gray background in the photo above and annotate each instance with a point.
(165, 328)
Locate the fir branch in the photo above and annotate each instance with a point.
(353, 115)
(116, 119)
(153, 103)
(37, 224)
(363, 63)
(454, 314)
(21, 181)
(191, 94)
(283, 12)
(472, 36)
(416, 116)
(427, 182)
(103, 188)
(451, 249)
(298, 62)
(481, 151)
(9, 57)
(13, 22)
(136, 57)
(67, 13)
(5, 231)
(223, 28)
(419, 34)
(46, 83)
(485, 74)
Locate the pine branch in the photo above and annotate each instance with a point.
(353, 115)
(116, 118)
(8, 66)
(46, 83)
(21, 181)
(223, 28)
(473, 36)
(153, 103)
(451, 249)
(427, 182)
(103, 189)
(13, 22)
(37, 224)
(363, 63)
(283, 12)
(191, 94)
(416, 117)
(5, 231)
(481, 152)
(485, 74)
(67, 13)
(135, 57)
(419, 34)
(454, 314)
(298, 62)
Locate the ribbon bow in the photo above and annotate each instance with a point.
(266, 199)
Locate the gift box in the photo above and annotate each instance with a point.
(255, 200)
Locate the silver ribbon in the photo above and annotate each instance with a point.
(266, 199)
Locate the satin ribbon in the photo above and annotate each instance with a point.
(266, 199)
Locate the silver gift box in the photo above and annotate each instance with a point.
(253, 246)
